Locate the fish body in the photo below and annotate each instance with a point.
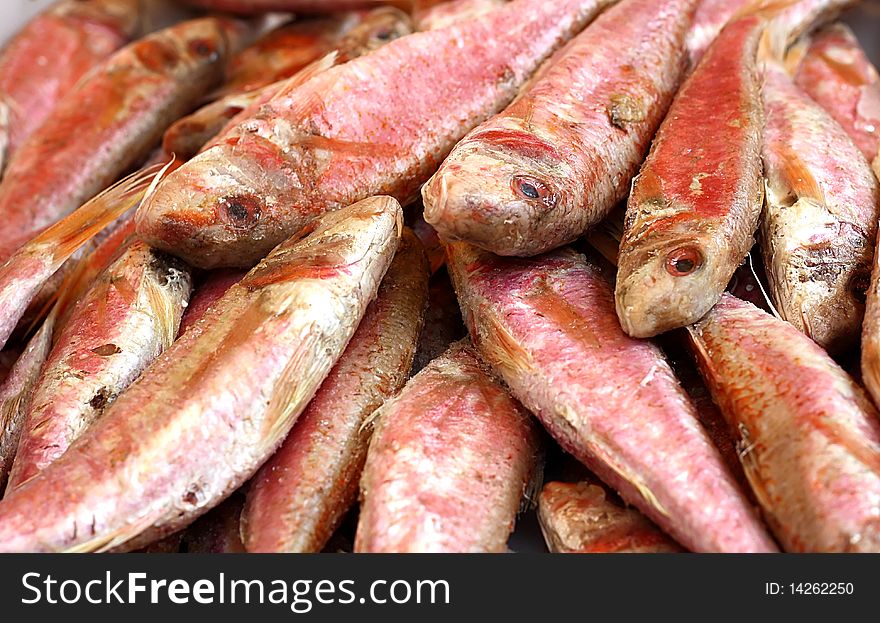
(210, 290)
(556, 161)
(455, 11)
(579, 518)
(209, 411)
(548, 329)
(695, 205)
(820, 216)
(808, 436)
(298, 498)
(837, 74)
(449, 462)
(248, 7)
(109, 122)
(709, 20)
(46, 59)
(380, 123)
(125, 320)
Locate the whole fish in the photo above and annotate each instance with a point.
(379, 123)
(211, 289)
(443, 323)
(23, 274)
(695, 205)
(579, 518)
(555, 162)
(838, 75)
(808, 437)
(125, 320)
(216, 405)
(548, 329)
(820, 216)
(454, 11)
(710, 18)
(46, 59)
(298, 498)
(187, 136)
(449, 462)
(109, 122)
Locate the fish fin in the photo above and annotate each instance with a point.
(70, 233)
(163, 312)
(795, 55)
(115, 538)
(848, 72)
(797, 180)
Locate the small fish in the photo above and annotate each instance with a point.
(808, 436)
(556, 161)
(380, 123)
(452, 12)
(109, 122)
(46, 59)
(821, 209)
(297, 500)
(449, 463)
(125, 320)
(218, 402)
(548, 329)
(187, 136)
(24, 274)
(580, 518)
(249, 7)
(838, 75)
(695, 205)
(709, 21)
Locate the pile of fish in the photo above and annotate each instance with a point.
(352, 275)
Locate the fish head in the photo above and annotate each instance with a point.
(670, 275)
(212, 213)
(379, 26)
(495, 191)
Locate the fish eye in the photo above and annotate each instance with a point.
(530, 187)
(384, 34)
(858, 286)
(240, 211)
(684, 261)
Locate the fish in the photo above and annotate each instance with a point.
(434, 248)
(581, 518)
(15, 394)
(380, 123)
(443, 323)
(709, 20)
(808, 436)
(548, 329)
(298, 498)
(449, 462)
(837, 74)
(187, 136)
(215, 405)
(821, 210)
(110, 121)
(125, 320)
(555, 162)
(44, 61)
(25, 273)
(453, 12)
(210, 290)
(250, 7)
(695, 205)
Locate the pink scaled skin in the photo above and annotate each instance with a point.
(296, 6)
(211, 289)
(455, 11)
(709, 20)
(579, 518)
(378, 124)
(128, 316)
(296, 501)
(44, 61)
(547, 327)
(807, 435)
(448, 465)
(110, 122)
(202, 419)
(838, 75)
(557, 160)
